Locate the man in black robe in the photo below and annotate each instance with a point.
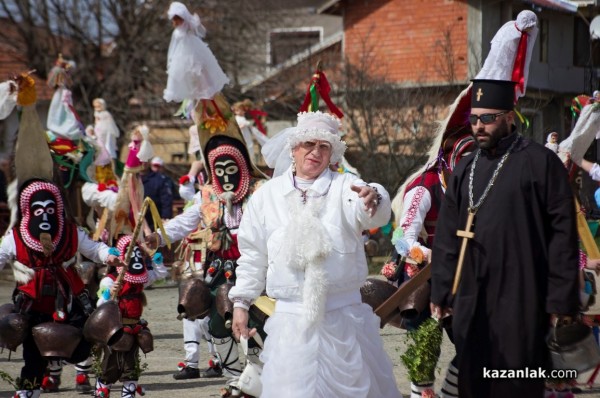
(521, 265)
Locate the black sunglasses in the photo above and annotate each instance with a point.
(486, 118)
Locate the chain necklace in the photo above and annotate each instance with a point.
(474, 208)
(304, 192)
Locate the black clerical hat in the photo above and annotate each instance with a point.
(493, 94)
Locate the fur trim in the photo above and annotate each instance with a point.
(314, 292)
(22, 273)
(306, 246)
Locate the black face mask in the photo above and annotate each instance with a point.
(43, 215)
(227, 172)
(136, 263)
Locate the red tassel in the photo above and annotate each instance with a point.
(324, 88)
(140, 390)
(518, 73)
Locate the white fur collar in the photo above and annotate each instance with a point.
(306, 245)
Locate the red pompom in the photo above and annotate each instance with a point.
(59, 316)
(102, 187)
(81, 378)
(184, 179)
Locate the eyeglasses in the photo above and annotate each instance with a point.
(486, 118)
(323, 146)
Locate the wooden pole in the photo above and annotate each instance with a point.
(587, 240)
(136, 232)
(386, 309)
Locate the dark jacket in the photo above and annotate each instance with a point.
(160, 189)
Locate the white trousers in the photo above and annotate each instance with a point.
(195, 332)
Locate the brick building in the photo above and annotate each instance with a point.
(430, 49)
(444, 42)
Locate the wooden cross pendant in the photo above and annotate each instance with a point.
(466, 234)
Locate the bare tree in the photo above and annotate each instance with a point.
(391, 127)
(445, 62)
(120, 46)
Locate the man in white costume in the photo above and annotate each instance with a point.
(300, 237)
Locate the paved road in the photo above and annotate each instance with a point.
(168, 343)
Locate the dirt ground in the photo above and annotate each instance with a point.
(168, 351)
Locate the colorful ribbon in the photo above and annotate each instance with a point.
(578, 103)
(158, 221)
(319, 86)
(60, 160)
(523, 119)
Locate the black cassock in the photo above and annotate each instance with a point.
(521, 266)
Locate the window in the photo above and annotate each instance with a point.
(285, 43)
(586, 52)
(543, 40)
